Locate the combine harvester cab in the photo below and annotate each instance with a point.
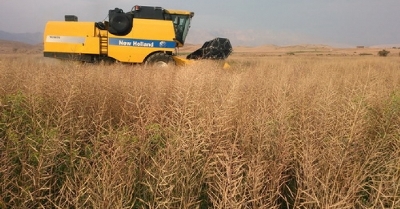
(145, 34)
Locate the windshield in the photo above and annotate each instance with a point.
(181, 25)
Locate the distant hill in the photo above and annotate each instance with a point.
(29, 38)
(9, 47)
(386, 46)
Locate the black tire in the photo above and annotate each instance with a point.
(160, 60)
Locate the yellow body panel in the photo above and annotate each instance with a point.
(180, 61)
(147, 36)
(71, 37)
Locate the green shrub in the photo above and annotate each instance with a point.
(383, 53)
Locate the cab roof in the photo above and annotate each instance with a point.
(179, 12)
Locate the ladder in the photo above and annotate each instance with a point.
(103, 42)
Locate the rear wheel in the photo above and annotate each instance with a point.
(160, 60)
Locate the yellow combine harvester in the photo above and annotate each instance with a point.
(145, 34)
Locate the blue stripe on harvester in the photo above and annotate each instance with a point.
(141, 43)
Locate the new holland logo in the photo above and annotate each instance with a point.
(124, 43)
(163, 44)
(135, 43)
(143, 44)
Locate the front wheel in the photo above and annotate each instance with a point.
(160, 60)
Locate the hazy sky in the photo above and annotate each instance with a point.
(280, 22)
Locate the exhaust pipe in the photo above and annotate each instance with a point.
(216, 49)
